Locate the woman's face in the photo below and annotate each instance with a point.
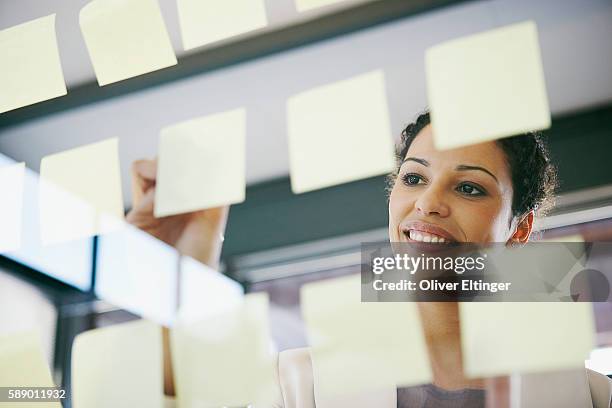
(460, 195)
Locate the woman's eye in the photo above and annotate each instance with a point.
(470, 189)
(412, 179)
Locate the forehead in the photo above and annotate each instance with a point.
(488, 154)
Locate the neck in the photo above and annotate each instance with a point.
(440, 322)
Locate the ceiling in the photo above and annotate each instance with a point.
(574, 36)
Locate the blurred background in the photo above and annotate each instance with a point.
(276, 240)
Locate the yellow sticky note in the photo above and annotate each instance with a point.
(204, 22)
(80, 192)
(118, 366)
(201, 163)
(565, 238)
(225, 359)
(11, 206)
(22, 365)
(486, 86)
(31, 69)
(519, 337)
(169, 402)
(125, 38)
(359, 346)
(339, 133)
(36, 311)
(307, 5)
(138, 273)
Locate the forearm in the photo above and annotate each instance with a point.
(206, 248)
(168, 371)
(211, 254)
(202, 238)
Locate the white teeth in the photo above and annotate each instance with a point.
(425, 237)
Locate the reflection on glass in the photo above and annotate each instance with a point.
(11, 185)
(139, 273)
(205, 292)
(69, 262)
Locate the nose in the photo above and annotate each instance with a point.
(432, 202)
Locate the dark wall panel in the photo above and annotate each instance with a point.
(273, 216)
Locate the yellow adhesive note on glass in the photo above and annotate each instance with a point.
(487, 86)
(118, 366)
(22, 364)
(359, 346)
(80, 192)
(565, 238)
(201, 164)
(521, 337)
(225, 359)
(31, 69)
(125, 38)
(339, 133)
(11, 206)
(307, 5)
(204, 22)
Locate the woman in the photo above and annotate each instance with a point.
(481, 193)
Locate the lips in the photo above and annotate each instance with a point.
(418, 231)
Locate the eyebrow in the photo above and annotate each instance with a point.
(415, 159)
(461, 167)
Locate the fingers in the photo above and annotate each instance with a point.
(141, 214)
(144, 174)
(146, 168)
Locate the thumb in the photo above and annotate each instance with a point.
(144, 175)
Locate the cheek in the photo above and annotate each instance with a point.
(484, 224)
(400, 205)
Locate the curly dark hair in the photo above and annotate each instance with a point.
(534, 176)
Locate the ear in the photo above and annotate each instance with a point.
(522, 230)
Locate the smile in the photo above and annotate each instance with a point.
(422, 236)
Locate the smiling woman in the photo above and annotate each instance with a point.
(481, 193)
